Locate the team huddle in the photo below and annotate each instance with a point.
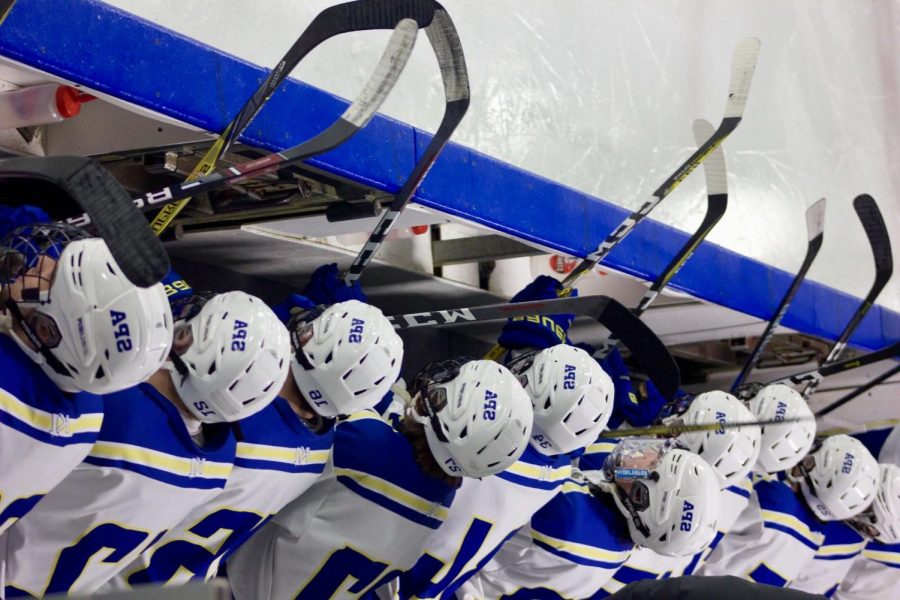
(159, 435)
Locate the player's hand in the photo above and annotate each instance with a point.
(326, 287)
(537, 331)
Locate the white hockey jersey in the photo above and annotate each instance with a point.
(776, 543)
(143, 476)
(874, 574)
(350, 532)
(839, 550)
(44, 432)
(276, 461)
(573, 545)
(485, 514)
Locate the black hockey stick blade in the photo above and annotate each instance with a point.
(448, 50)
(678, 427)
(67, 185)
(859, 391)
(716, 203)
(892, 351)
(354, 118)
(358, 15)
(644, 345)
(742, 66)
(5, 7)
(815, 226)
(877, 234)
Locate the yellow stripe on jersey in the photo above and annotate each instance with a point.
(396, 493)
(291, 456)
(838, 549)
(582, 550)
(892, 558)
(178, 465)
(43, 420)
(793, 523)
(362, 416)
(524, 469)
(575, 487)
(600, 448)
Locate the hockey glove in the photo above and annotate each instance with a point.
(537, 331)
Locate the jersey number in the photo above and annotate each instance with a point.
(74, 560)
(182, 555)
(342, 564)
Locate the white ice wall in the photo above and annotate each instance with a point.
(600, 95)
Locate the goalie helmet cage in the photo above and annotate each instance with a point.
(44, 41)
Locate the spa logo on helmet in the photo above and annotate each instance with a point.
(848, 463)
(357, 327)
(239, 336)
(687, 516)
(569, 378)
(780, 411)
(490, 405)
(720, 418)
(120, 330)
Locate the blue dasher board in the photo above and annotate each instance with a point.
(116, 53)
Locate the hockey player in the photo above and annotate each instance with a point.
(731, 452)
(488, 511)
(154, 460)
(70, 321)
(652, 493)
(836, 481)
(355, 356)
(392, 487)
(845, 540)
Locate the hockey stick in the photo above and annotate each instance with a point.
(815, 225)
(678, 427)
(859, 391)
(5, 7)
(834, 368)
(742, 66)
(646, 347)
(352, 120)
(352, 16)
(877, 234)
(64, 185)
(448, 49)
(716, 203)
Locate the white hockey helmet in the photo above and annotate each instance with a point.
(94, 330)
(571, 394)
(838, 478)
(236, 361)
(782, 446)
(731, 452)
(881, 521)
(345, 357)
(478, 416)
(668, 495)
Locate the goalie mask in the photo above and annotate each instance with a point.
(881, 521)
(477, 416)
(782, 446)
(345, 357)
(571, 395)
(838, 478)
(230, 359)
(731, 452)
(668, 495)
(91, 329)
